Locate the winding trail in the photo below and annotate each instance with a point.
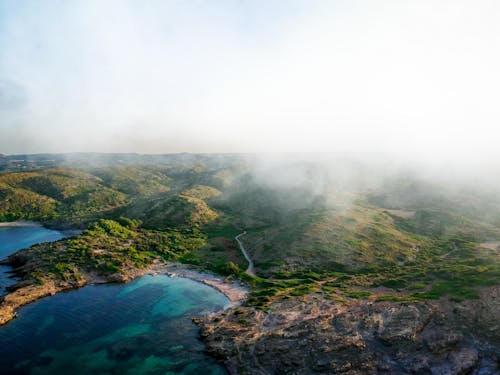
(250, 270)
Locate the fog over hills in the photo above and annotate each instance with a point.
(332, 167)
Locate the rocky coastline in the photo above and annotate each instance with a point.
(25, 292)
(311, 333)
(314, 335)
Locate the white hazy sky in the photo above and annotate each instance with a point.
(248, 76)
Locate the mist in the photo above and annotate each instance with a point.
(331, 167)
(414, 77)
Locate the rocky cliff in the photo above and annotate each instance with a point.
(312, 335)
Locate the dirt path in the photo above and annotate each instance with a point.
(250, 270)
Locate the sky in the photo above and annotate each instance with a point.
(408, 77)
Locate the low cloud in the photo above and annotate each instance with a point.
(159, 76)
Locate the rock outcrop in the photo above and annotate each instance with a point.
(313, 335)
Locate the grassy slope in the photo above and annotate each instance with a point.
(143, 192)
(135, 180)
(55, 194)
(299, 242)
(333, 239)
(106, 247)
(363, 251)
(161, 204)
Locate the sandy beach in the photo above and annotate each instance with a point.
(234, 291)
(20, 224)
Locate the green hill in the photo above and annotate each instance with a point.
(135, 180)
(331, 239)
(56, 194)
(308, 229)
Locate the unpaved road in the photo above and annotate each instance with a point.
(250, 270)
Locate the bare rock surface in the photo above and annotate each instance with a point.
(312, 335)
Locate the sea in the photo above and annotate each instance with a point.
(142, 327)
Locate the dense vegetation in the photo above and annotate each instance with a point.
(107, 247)
(55, 194)
(308, 231)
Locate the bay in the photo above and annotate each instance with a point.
(142, 327)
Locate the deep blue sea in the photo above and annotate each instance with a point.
(143, 327)
(16, 238)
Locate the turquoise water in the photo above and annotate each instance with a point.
(13, 239)
(143, 327)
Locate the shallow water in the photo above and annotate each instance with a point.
(143, 327)
(13, 239)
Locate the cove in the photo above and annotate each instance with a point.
(142, 327)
